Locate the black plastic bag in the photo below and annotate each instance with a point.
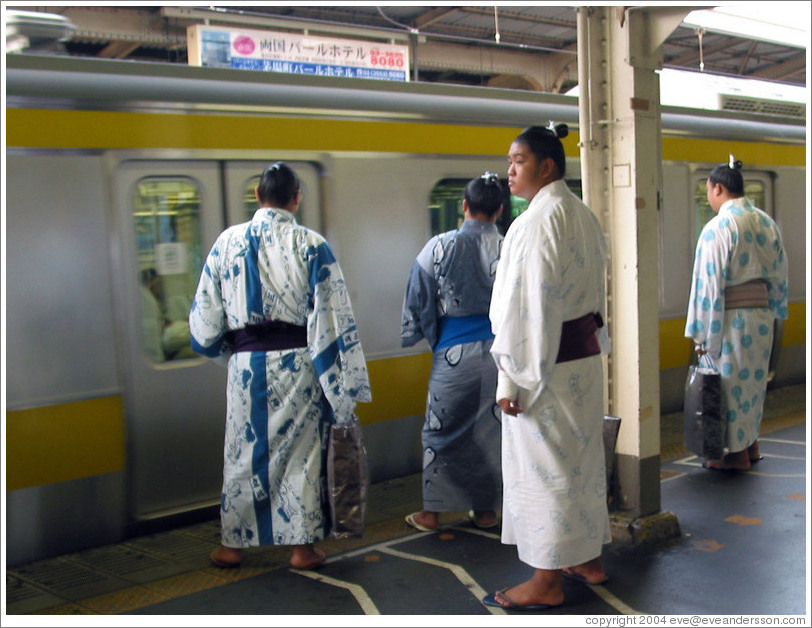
(611, 427)
(347, 479)
(705, 417)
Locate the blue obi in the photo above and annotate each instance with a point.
(456, 330)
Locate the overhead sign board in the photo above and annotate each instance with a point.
(291, 53)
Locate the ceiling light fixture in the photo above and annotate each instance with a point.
(780, 26)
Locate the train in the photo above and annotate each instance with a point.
(120, 175)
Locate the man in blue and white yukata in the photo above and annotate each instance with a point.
(272, 302)
(739, 288)
(446, 302)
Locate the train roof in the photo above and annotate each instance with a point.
(95, 83)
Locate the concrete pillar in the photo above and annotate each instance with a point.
(619, 50)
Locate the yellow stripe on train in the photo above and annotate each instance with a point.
(52, 444)
(46, 128)
(675, 349)
(54, 128)
(62, 442)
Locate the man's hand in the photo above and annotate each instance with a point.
(510, 406)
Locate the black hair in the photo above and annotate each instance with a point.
(545, 142)
(485, 194)
(729, 175)
(278, 185)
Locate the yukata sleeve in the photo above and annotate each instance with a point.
(778, 283)
(333, 340)
(207, 319)
(527, 307)
(419, 319)
(706, 305)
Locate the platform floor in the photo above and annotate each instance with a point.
(742, 550)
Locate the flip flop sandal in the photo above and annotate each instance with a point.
(410, 519)
(490, 600)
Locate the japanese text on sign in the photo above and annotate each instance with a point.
(296, 54)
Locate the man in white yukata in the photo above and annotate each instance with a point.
(739, 288)
(547, 316)
(272, 302)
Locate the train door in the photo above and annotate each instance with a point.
(168, 215)
(241, 177)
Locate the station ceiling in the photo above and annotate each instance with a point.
(454, 44)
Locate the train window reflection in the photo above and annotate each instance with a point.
(755, 190)
(445, 205)
(250, 203)
(166, 216)
(249, 198)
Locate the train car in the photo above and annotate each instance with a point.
(120, 175)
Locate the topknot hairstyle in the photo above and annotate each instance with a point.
(729, 175)
(545, 142)
(561, 130)
(485, 194)
(278, 184)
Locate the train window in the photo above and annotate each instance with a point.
(755, 190)
(170, 258)
(249, 197)
(445, 205)
(250, 205)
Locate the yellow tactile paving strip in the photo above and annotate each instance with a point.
(257, 561)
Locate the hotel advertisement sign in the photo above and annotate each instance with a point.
(291, 53)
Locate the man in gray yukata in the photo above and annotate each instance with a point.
(446, 302)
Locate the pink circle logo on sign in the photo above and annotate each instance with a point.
(244, 45)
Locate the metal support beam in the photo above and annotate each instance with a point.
(544, 71)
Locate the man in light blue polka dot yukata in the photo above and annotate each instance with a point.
(739, 287)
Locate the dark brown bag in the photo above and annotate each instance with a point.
(347, 479)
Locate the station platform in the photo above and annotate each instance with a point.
(742, 550)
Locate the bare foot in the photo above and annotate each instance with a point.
(425, 520)
(307, 556)
(483, 518)
(543, 588)
(736, 461)
(753, 452)
(590, 572)
(226, 557)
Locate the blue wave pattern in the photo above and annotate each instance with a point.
(741, 243)
(279, 403)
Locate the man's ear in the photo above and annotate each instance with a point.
(548, 168)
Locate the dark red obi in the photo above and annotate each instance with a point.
(578, 339)
(268, 336)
